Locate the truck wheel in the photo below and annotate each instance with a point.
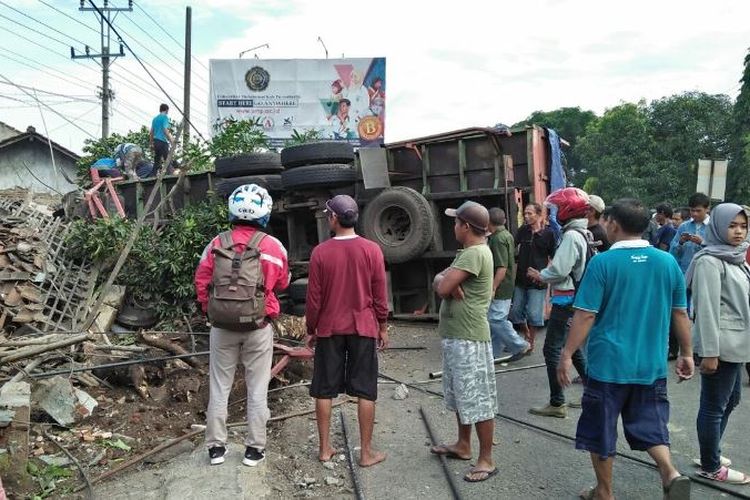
(314, 176)
(400, 220)
(298, 290)
(243, 165)
(315, 153)
(225, 187)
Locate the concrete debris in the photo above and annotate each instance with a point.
(63, 402)
(56, 460)
(400, 392)
(13, 396)
(332, 481)
(329, 465)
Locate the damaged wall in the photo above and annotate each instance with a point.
(13, 172)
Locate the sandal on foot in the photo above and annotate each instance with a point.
(678, 489)
(723, 461)
(446, 452)
(588, 493)
(726, 475)
(487, 474)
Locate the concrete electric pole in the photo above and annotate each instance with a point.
(186, 89)
(105, 55)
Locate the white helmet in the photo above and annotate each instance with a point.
(252, 203)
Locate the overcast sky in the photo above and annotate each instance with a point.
(458, 64)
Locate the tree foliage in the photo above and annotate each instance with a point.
(235, 137)
(651, 151)
(570, 123)
(159, 269)
(738, 187)
(688, 127)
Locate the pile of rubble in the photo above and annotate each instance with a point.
(64, 386)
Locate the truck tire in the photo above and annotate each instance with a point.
(400, 220)
(314, 176)
(247, 164)
(298, 290)
(315, 153)
(225, 187)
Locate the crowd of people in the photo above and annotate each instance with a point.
(619, 291)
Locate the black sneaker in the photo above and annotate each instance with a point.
(216, 454)
(253, 456)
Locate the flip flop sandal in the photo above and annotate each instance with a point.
(677, 489)
(726, 475)
(588, 493)
(489, 473)
(723, 461)
(447, 453)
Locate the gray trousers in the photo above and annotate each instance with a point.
(255, 351)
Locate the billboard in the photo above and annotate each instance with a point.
(341, 99)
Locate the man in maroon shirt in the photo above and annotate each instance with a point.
(346, 313)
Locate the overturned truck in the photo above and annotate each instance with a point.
(402, 188)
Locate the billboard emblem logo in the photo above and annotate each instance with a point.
(370, 128)
(257, 79)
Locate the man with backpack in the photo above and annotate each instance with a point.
(564, 274)
(236, 280)
(346, 312)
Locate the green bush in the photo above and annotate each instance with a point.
(159, 269)
(235, 137)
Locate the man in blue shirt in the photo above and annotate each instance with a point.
(624, 306)
(689, 237)
(667, 231)
(160, 137)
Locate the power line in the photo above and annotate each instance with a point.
(179, 60)
(79, 118)
(159, 58)
(82, 98)
(42, 23)
(23, 63)
(179, 44)
(51, 109)
(69, 16)
(34, 30)
(147, 71)
(46, 48)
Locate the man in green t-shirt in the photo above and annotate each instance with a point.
(501, 329)
(468, 368)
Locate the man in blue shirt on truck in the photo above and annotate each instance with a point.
(160, 137)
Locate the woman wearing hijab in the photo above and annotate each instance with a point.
(720, 281)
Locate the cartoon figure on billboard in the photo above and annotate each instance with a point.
(357, 95)
(341, 124)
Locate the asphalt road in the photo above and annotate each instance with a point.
(533, 464)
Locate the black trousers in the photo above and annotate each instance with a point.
(161, 150)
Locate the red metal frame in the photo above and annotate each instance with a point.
(288, 354)
(94, 200)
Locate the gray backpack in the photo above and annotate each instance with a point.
(237, 295)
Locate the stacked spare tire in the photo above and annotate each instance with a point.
(313, 167)
(263, 169)
(317, 165)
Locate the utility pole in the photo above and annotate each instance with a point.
(105, 55)
(186, 90)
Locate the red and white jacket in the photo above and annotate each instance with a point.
(273, 261)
